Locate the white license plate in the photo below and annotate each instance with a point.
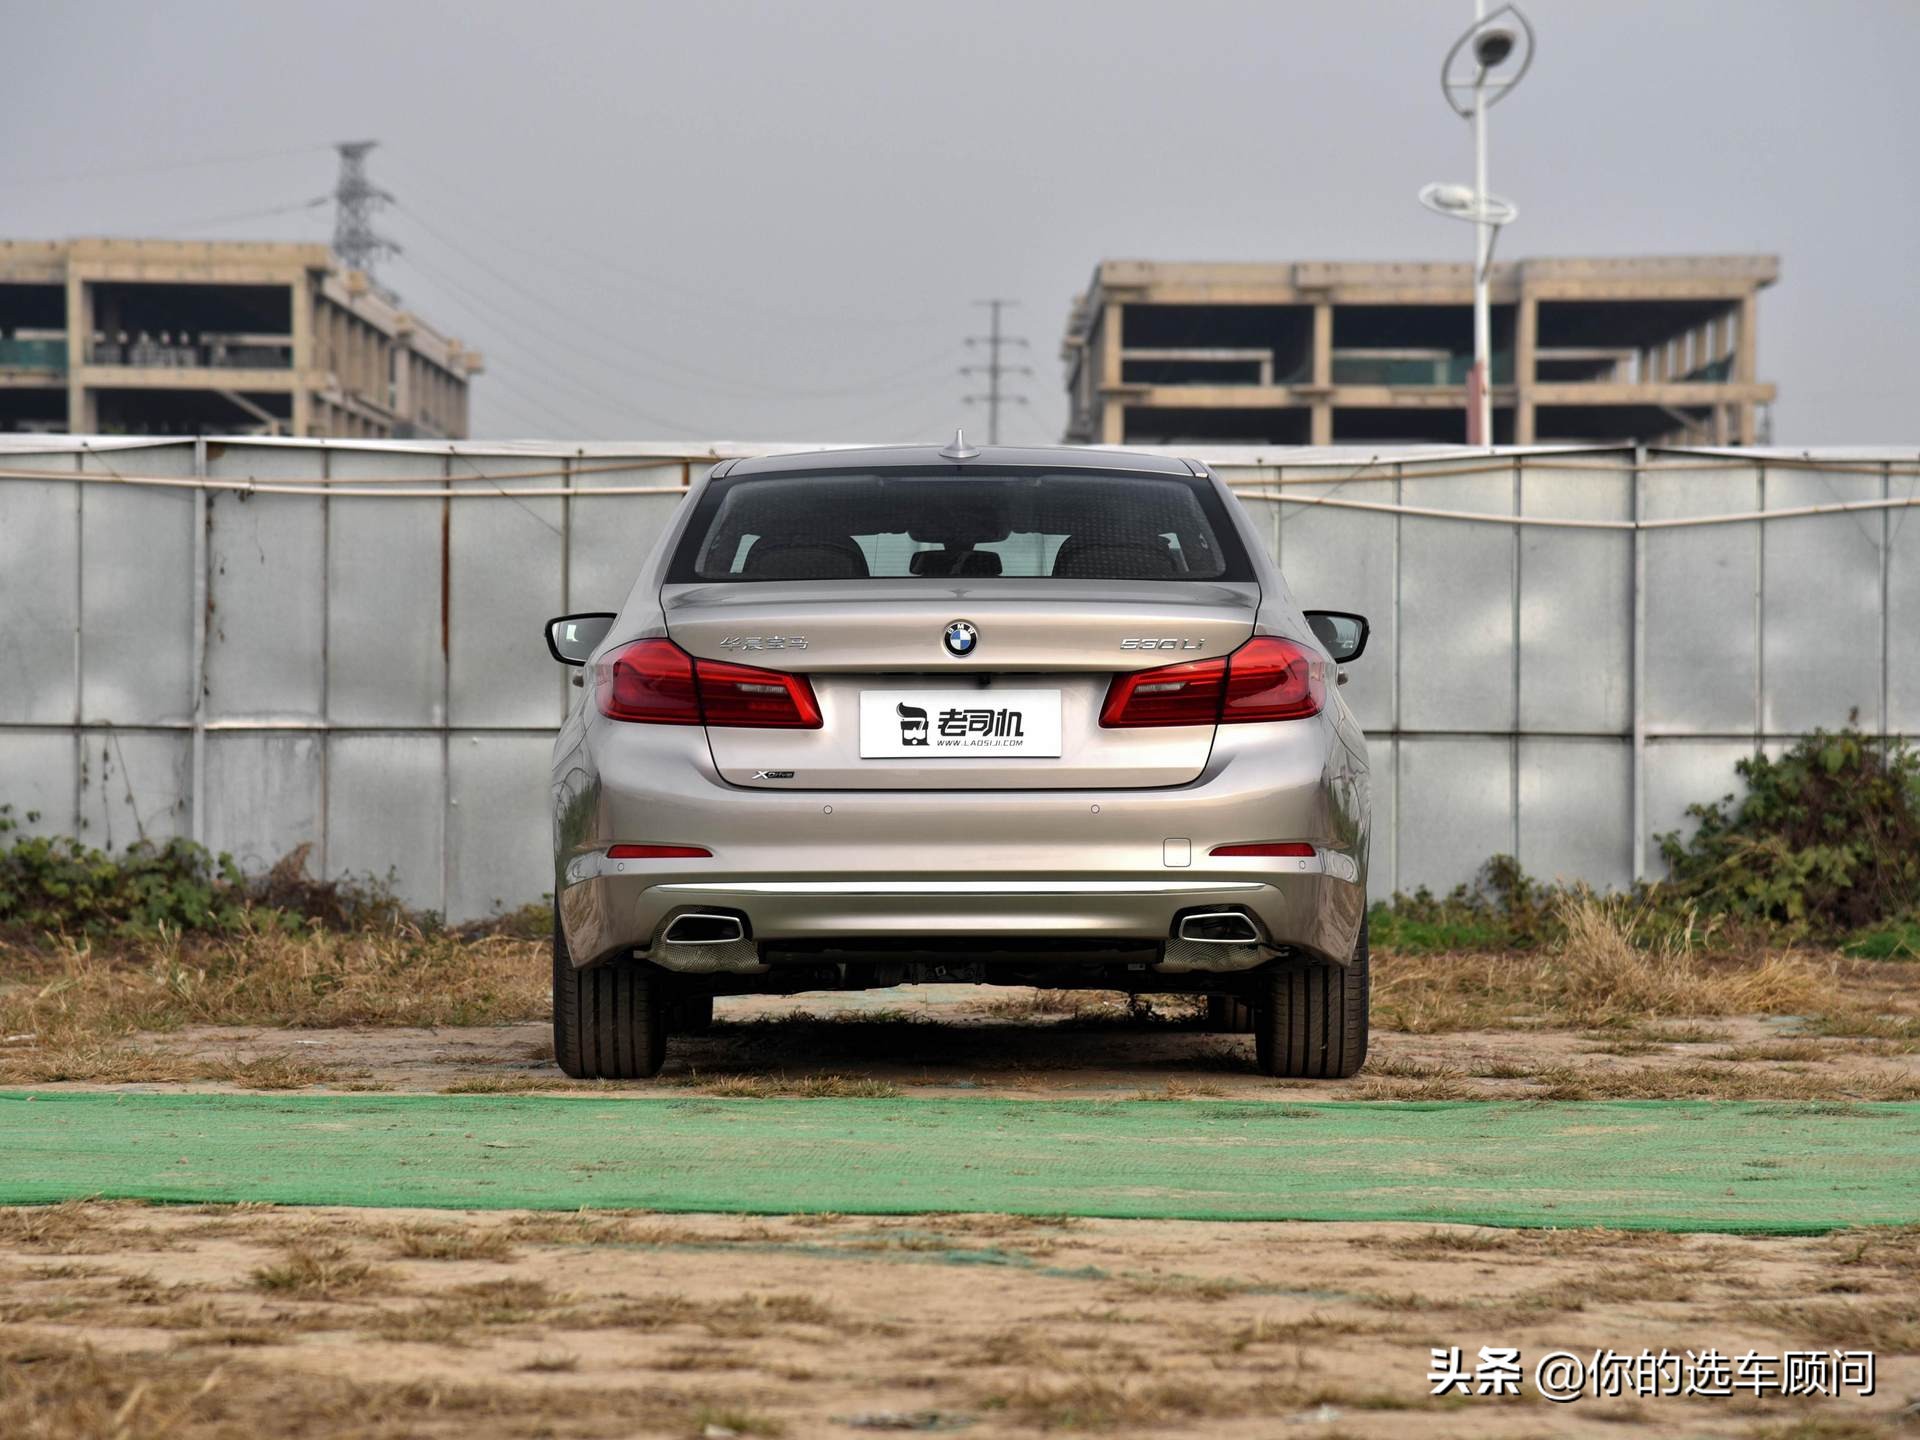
(940, 724)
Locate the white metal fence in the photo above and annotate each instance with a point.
(267, 643)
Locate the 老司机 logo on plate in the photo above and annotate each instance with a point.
(913, 724)
(934, 724)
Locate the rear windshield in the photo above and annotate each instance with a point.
(1063, 525)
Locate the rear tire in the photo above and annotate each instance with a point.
(608, 1022)
(1229, 1015)
(1311, 1020)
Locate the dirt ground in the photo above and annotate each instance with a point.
(136, 1321)
(1025, 1044)
(252, 1322)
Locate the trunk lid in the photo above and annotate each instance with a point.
(901, 709)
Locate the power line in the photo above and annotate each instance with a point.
(758, 310)
(995, 368)
(538, 370)
(625, 351)
(585, 386)
(561, 429)
(22, 181)
(213, 222)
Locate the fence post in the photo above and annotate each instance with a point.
(1639, 669)
(197, 823)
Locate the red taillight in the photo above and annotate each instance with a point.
(1291, 848)
(740, 695)
(649, 680)
(655, 682)
(658, 852)
(1273, 679)
(1185, 694)
(1265, 679)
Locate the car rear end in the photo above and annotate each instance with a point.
(1045, 717)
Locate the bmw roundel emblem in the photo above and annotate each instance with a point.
(961, 637)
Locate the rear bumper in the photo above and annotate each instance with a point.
(1309, 909)
(814, 866)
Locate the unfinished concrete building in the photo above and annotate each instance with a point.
(1653, 349)
(170, 337)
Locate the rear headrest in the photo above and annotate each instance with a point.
(954, 562)
(1084, 558)
(821, 557)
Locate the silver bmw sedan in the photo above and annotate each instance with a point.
(1024, 716)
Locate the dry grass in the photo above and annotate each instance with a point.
(1094, 1399)
(443, 1242)
(125, 1065)
(1609, 972)
(1442, 1244)
(78, 996)
(322, 1271)
(1181, 1090)
(1775, 1052)
(525, 1084)
(1860, 1023)
(709, 1421)
(1672, 1278)
(456, 1316)
(73, 1227)
(1887, 1327)
(1104, 1007)
(1184, 1287)
(1701, 1081)
(805, 1087)
(73, 1392)
(1893, 1251)
(1386, 1080)
(1057, 1005)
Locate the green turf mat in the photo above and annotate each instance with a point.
(1679, 1165)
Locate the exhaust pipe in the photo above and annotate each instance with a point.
(704, 929)
(1219, 927)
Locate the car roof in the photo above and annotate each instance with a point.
(988, 458)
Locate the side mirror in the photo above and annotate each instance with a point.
(1342, 633)
(572, 638)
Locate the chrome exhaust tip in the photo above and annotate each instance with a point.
(1219, 927)
(698, 928)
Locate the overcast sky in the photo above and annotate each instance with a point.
(675, 220)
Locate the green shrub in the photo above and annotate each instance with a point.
(1895, 940)
(61, 884)
(1825, 841)
(1504, 909)
(1824, 845)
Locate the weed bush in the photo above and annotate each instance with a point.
(1825, 841)
(1824, 845)
(61, 884)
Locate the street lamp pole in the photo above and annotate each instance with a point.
(1480, 386)
(1502, 42)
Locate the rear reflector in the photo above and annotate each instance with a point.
(1292, 848)
(655, 682)
(658, 852)
(1265, 679)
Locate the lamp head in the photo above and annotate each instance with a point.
(1492, 46)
